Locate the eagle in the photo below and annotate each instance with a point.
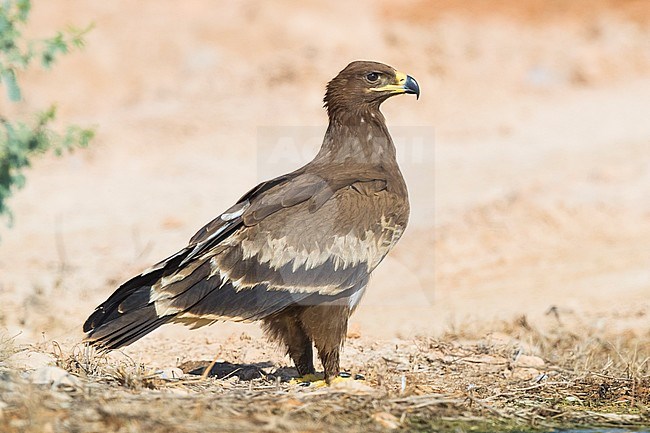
(295, 252)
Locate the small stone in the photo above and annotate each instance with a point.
(170, 373)
(526, 367)
(525, 373)
(529, 361)
(54, 376)
(386, 420)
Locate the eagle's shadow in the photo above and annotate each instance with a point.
(224, 370)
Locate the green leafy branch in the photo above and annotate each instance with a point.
(20, 141)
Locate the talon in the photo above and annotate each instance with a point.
(346, 375)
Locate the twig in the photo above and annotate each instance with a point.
(206, 372)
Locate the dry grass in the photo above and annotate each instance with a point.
(519, 376)
(6, 348)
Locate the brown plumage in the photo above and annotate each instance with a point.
(295, 252)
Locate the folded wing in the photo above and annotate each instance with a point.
(292, 240)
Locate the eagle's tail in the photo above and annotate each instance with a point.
(125, 329)
(128, 314)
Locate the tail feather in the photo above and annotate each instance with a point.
(126, 329)
(132, 294)
(128, 314)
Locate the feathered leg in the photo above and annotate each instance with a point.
(288, 330)
(327, 325)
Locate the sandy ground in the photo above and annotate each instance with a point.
(527, 156)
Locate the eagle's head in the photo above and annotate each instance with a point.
(365, 84)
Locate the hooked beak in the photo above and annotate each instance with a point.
(411, 86)
(403, 84)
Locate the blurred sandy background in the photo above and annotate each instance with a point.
(532, 189)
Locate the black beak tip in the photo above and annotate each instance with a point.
(411, 86)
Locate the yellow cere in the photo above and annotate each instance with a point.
(400, 77)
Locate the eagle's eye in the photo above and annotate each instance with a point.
(372, 77)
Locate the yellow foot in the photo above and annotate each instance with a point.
(317, 380)
(307, 379)
(346, 381)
